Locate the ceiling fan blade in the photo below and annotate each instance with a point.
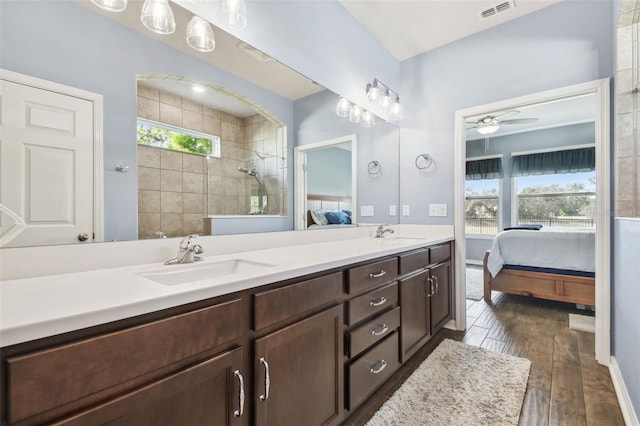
(519, 121)
(506, 114)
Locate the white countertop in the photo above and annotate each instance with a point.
(37, 307)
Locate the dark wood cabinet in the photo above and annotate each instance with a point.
(299, 374)
(440, 296)
(208, 393)
(415, 313)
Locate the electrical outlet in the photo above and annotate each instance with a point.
(392, 210)
(438, 210)
(366, 211)
(406, 210)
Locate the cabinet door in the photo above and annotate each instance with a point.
(299, 372)
(414, 313)
(207, 393)
(441, 298)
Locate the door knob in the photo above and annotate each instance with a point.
(83, 237)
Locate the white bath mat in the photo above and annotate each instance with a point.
(582, 323)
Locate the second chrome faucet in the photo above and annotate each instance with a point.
(188, 251)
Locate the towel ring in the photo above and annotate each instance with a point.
(424, 161)
(374, 167)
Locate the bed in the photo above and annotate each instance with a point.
(328, 204)
(554, 265)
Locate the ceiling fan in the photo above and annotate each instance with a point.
(491, 123)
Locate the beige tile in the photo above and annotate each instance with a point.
(148, 225)
(171, 202)
(624, 83)
(148, 178)
(148, 156)
(193, 223)
(212, 126)
(230, 186)
(193, 163)
(148, 92)
(148, 201)
(241, 139)
(625, 145)
(170, 114)
(627, 6)
(192, 120)
(270, 167)
(231, 205)
(271, 146)
(625, 178)
(229, 131)
(230, 118)
(624, 48)
(214, 166)
(216, 204)
(193, 182)
(171, 224)
(624, 208)
(624, 103)
(193, 203)
(256, 118)
(230, 168)
(171, 160)
(245, 155)
(210, 112)
(228, 152)
(171, 181)
(268, 130)
(256, 132)
(215, 185)
(257, 146)
(624, 127)
(229, 142)
(191, 106)
(148, 108)
(170, 99)
(636, 211)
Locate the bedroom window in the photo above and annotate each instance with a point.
(481, 206)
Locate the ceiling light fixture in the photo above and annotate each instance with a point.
(111, 5)
(487, 129)
(158, 16)
(233, 13)
(386, 99)
(198, 88)
(200, 35)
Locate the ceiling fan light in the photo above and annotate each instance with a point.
(200, 35)
(368, 119)
(344, 108)
(233, 13)
(158, 16)
(488, 129)
(111, 5)
(356, 114)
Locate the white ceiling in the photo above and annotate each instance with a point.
(410, 27)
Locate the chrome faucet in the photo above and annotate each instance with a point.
(381, 231)
(187, 251)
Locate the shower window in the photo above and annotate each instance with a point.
(176, 138)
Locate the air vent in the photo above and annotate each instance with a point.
(492, 11)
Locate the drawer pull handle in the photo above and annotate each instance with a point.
(240, 409)
(435, 279)
(383, 329)
(383, 365)
(267, 380)
(382, 273)
(431, 291)
(379, 301)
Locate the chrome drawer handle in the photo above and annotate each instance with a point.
(382, 273)
(267, 380)
(378, 302)
(437, 285)
(240, 409)
(383, 330)
(431, 292)
(383, 365)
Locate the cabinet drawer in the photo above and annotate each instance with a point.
(281, 303)
(372, 274)
(93, 365)
(439, 253)
(373, 368)
(413, 261)
(371, 303)
(373, 331)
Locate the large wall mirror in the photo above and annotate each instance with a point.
(168, 156)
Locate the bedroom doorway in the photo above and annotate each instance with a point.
(486, 120)
(325, 178)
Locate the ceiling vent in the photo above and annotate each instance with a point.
(499, 8)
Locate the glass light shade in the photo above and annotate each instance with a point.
(385, 101)
(373, 92)
(344, 108)
(488, 129)
(395, 111)
(356, 113)
(200, 35)
(368, 119)
(111, 5)
(158, 16)
(233, 13)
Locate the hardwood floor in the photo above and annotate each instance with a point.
(566, 385)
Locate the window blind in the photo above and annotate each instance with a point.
(488, 168)
(568, 161)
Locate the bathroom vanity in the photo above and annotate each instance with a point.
(306, 349)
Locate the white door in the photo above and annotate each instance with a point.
(46, 160)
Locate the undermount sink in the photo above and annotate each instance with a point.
(181, 274)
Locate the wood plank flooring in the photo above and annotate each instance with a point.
(566, 385)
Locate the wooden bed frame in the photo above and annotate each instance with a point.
(543, 285)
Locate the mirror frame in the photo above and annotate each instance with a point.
(601, 90)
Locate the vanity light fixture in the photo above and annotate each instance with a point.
(200, 36)
(111, 5)
(344, 108)
(373, 91)
(158, 16)
(387, 99)
(395, 110)
(356, 114)
(368, 119)
(233, 13)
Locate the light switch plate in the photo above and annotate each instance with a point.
(366, 211)
(438, 210)
(393, 210)
(406, 210)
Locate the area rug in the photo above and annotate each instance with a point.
(459, 384)
(582, 323)
(475, 283)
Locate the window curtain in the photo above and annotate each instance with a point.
(570, 161)
(489, 168)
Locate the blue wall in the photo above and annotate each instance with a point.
(329, 172)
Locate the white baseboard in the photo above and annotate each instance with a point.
(629, 414)
(473, 262)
